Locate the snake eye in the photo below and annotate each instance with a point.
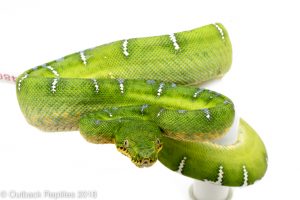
(126, 143)
(158, 141)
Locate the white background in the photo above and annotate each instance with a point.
(263, 82)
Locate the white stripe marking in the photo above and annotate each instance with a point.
(159, 91)
(182, 111)
(227, 102)
(54, 85)
(20, 81)
(206, 111)
(159, 113)
(181, 165)
(125, 50)
(96, 85)
(83, 57)
(196, 94)
(245, 175)
(109, 113)
(220, 31)
(220, 177)
(150, 82)
(121, 83)
(173, 39)
(53, 71)
(143, 108)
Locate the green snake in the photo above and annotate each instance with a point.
(141, 95)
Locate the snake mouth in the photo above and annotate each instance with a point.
(124, 151)
(145, 162)
(139, 162)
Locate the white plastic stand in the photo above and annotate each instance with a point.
(201, 190)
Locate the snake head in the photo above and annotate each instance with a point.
(140, 141)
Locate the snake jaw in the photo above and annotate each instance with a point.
(145, 162)
(138, 161)
(124, 151)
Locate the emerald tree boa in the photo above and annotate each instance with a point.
(142, 95)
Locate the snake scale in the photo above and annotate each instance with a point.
(141, 94)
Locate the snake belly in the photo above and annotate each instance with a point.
(150, 71)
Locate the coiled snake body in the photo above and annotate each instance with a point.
(134, 93)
